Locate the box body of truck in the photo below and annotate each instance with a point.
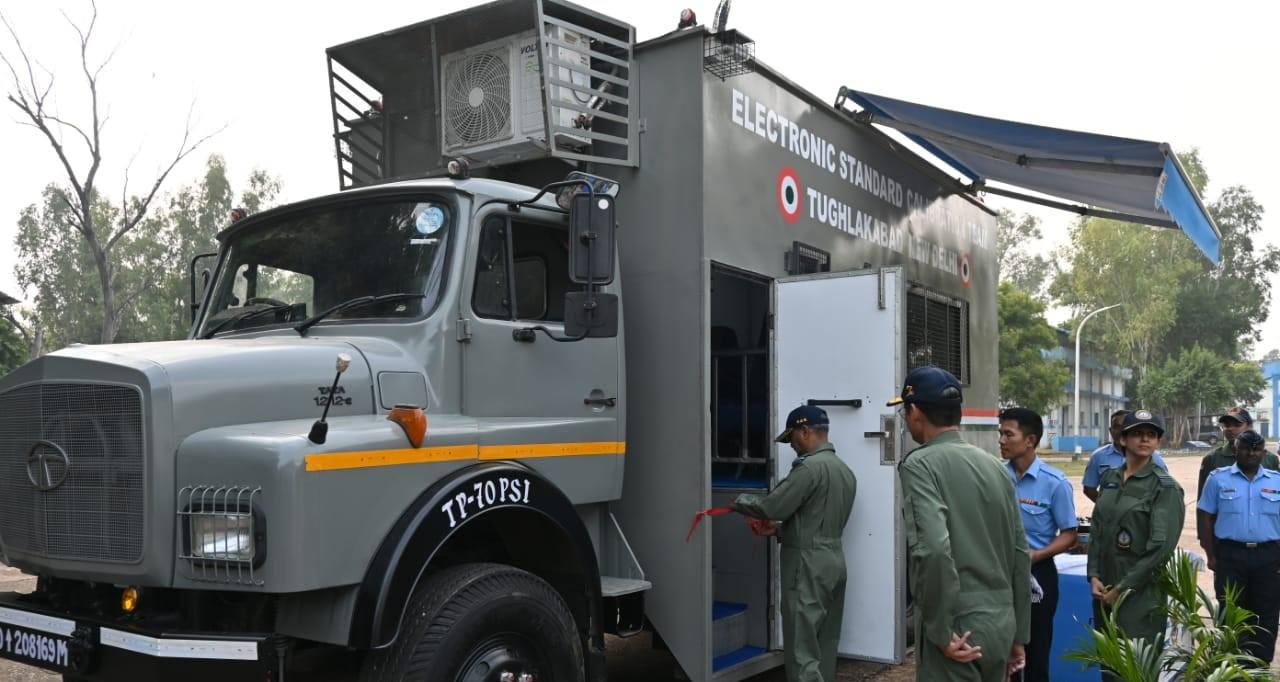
(770, 252)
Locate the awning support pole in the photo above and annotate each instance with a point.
(1074, 208)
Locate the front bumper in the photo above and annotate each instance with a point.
(92, 649)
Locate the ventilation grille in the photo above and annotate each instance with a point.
(938, 332)
(91, 505)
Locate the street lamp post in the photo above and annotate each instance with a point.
(1075, 456)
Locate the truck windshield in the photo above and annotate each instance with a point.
(284, 271)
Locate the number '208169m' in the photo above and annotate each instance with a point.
(33, 646)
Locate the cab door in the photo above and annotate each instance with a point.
(536, 398)
(838, 340)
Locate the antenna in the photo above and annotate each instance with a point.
(721, 21)
(320, 429)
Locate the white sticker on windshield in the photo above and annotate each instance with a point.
(429, 219)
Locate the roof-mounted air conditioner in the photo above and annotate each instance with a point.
(491, 96)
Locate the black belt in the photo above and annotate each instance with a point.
(1249, 545)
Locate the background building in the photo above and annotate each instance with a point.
(1265, 412)
(1102, 391)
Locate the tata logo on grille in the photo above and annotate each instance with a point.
(47, 465)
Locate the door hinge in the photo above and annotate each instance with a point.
(464, 330)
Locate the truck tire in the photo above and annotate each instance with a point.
(475, 622)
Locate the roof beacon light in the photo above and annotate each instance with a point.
(238, 214)
(687, 18)
(458, 168)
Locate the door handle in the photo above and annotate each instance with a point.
(606, 402)
(875, 434)
(852, 402)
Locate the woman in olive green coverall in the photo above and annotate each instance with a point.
(1136, 526)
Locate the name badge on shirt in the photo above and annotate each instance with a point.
(1230, 490)
(1034, 503)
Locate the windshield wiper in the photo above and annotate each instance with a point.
(247, 315)
(358, 302)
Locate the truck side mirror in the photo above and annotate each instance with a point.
(590, 315)
(197, 295)
(591, 235)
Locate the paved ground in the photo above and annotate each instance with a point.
(634, 660)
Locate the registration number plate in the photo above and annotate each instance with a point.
(34, 647)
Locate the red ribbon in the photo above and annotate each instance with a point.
(697, 518)
(758, 526)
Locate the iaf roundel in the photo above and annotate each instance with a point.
(789, 194)
(966, 270)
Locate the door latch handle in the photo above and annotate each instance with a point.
(875, 434)
(606, 402)
(852, 402)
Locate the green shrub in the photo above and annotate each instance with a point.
(1206, 646)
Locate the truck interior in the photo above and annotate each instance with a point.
(741, 452)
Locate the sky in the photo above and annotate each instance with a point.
(1190, 74)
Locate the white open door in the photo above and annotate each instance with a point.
(838, 341)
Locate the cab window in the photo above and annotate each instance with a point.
(522, 271)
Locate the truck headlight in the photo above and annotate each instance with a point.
(224, 531)
(225, 537)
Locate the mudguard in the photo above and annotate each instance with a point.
(444, 509)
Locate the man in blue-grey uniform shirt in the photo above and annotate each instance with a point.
(1049, 518)
(1108, 456)
(1241, 503)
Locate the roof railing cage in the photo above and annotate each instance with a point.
(598, 103)
(395, 93)
(359, 131)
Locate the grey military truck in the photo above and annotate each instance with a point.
(453, 422)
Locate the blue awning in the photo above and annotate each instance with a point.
(1112, 177)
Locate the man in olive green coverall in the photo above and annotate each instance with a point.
(970, 570)
(812, 503)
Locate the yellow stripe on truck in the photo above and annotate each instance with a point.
(365, 459)
(532, 450)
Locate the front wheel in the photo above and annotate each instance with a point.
(482, 623)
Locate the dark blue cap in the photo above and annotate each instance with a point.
(1142, 418)
(805, 415)
(930, 384)
(1251, 439)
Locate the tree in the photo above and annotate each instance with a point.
(101, 234)
(1174, 296)
(13, 347)
(57, 265)
(1196, 379)
(1272, 355)
(186, 224)
(1015, 236)
(152, 261)
(1027, 378)
(1144, 269)
(1224, 308)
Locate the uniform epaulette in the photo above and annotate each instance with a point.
(1221, 469)
(1166, 479)
(1056, 473)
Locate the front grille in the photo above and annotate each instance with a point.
(88, 505)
